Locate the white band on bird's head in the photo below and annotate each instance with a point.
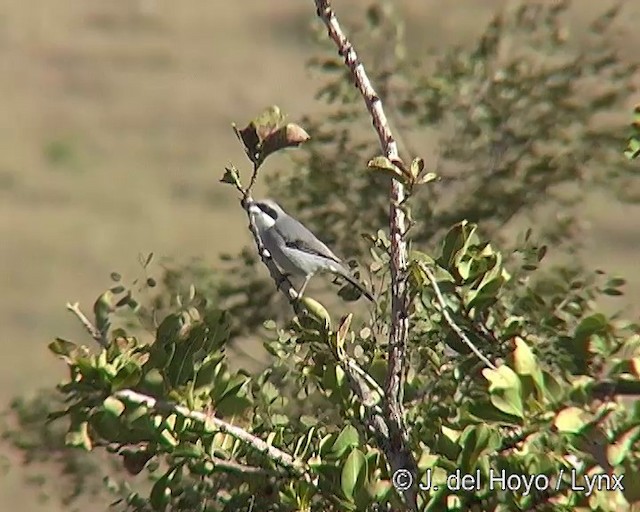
(262, 219)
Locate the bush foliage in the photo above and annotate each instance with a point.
(547, 414)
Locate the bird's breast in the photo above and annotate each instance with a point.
(276, 246)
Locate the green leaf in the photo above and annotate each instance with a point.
(541, 253)
(230, 176)
(594, 324)
(631, 474)
(456, 244)
(87, 368)
(62, 347)
(326, 444)
(553, 390)
(280, 420)
(347, 439)
(374, 16)
(207, 374)
(79, 437)
(303, 444)
(153, 382)
(525, 363)
(486, 295)
(383, 165)
(475, 440)
(137, 412)
(161, 492)
(505, 390)
(268, 121)
(188, 450)
(623, 447)
(632, 150)
(616, 282)
(113, 406)
(447, 443)
(202, 467)
(269, 392)
(127, 377)
(416, 167)
(107, 426)
(587, 328)
(482, 410)
(427, 178)
(351, 473)
(570, 420)
(167, 439)
(380, 490)
(55, 415)
(316, 312)
(233, 405)
(102, 308)
(464, 271)
(236, 386)
(219, 324)
(145, 261)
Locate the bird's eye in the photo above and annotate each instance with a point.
(269, 211)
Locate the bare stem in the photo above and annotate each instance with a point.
(88, 325)
(454, 327)
(254, 177)
(239, 468)
(398, 454)
(373, 385)
(280, 457)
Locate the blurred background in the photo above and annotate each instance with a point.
(115, 129)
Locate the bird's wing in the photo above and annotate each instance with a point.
(310, 244)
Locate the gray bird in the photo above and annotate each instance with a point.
(295, 249)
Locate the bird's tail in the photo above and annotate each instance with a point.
(347, 275)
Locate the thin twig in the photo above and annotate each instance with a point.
(239, 468)
(398, 454)
(280, 457)
(606, 389)
(88, 325)
(447, 316)
(368, 378)
(254, 177)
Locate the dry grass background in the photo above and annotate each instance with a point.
(115, 126)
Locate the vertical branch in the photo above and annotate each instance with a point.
(398, 453)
